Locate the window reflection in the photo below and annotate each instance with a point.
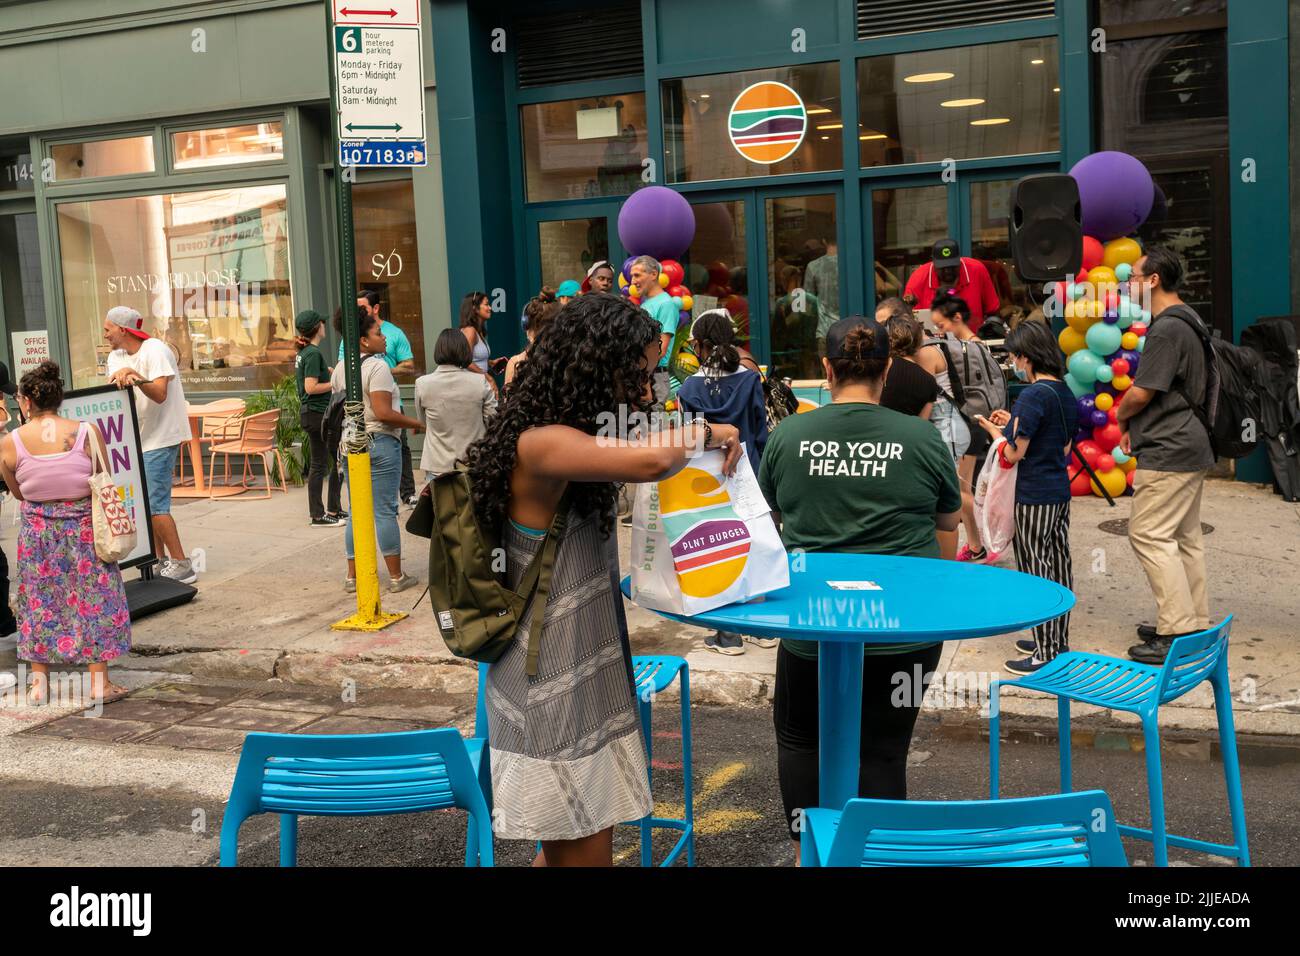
(102, 157)
(994, 100)
(802, 278)
(228, 145)
(906, 223)
(716, 264)
(209, 270)
(388, 256)
(990, 205)
(569, 247)
(576, 149)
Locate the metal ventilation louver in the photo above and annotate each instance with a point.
(579, 45)
(880, 18)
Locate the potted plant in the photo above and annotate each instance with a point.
(290, 438)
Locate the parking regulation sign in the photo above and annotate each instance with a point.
(379, 75)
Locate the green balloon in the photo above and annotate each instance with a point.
(1083, 365)
(1078, 390)
(1105, 373)
(1103, 338)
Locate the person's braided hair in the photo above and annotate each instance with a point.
(714, 330)
(587, 363)
(43, 386)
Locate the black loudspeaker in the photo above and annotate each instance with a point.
(1046, 230)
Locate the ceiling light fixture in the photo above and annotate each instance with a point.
(1036, 62)
(818, 110)
(831, 126)
(996, 121)
(928, 77)
(954, 104)
(867, 136)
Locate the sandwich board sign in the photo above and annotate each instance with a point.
(377, 55)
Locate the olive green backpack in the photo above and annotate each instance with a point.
(475, 611)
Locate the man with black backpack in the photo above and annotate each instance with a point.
(1162, 421)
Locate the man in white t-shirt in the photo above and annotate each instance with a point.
(148, 364)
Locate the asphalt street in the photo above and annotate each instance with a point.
(59, 821)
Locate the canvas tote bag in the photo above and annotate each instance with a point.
(114, 525)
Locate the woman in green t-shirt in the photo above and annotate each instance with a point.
(855, 476)
(314, 400)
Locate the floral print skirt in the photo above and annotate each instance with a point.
(70, 605)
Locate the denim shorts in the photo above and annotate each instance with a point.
(158, 467)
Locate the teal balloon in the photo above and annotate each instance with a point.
(1125, 318)
(1123, 271)
(1078, 390)
(1103, 338)
(1084, 363)
(1145, 315)
(1142, 343)
(1105, 373)
(1118, 455)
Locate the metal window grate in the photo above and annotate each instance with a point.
(880, 18)
(578, 45)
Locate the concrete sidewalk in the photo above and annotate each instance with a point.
(271, 585)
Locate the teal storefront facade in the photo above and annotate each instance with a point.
(551, 114)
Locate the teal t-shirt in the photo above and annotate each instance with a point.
(860, 478)
(663, 311)
(398, 345)
(310, 362)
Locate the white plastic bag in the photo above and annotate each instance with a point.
(701, 541)
(995, 501)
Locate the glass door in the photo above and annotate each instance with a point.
(985, 236)
(22, 298)
(801, 240)
(564, 242)
(903, 223)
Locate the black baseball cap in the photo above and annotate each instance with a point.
(947, 253)
(836, 334)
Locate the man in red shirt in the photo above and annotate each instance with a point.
(949, 270)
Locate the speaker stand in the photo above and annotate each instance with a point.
(151, 593)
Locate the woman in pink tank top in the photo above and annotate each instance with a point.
(71, 606)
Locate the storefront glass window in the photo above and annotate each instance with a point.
(103, 157)
(228, 145)
(990, 242)
(577, 149)
(388, 257)
(802, 282)
(906, 223)
(23, 300)
(711, 131)
(716, 264)
(209, 270)
(1000, 99)
(569, 247)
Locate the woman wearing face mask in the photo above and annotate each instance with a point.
(1038, 430)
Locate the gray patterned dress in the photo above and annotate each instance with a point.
(567, 755)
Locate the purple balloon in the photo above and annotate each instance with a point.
(1086, 404)
(1099, 418)
(1116, 193)
(656, 221)
(1111, 318)
(1131, 356)
(627, 267)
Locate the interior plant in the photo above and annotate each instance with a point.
(290, 437)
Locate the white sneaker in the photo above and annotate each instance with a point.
(182, 571)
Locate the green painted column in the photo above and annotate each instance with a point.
(1077, 61)
(1258, 128)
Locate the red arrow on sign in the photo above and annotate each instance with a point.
(367, 13)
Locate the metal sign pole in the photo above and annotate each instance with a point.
(369, 615)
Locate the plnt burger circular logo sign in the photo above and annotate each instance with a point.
(767, 122)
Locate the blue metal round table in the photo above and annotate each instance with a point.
(845, 601)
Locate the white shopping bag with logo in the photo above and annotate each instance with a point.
(701, 540)
(995, 501)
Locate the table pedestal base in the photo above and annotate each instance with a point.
(839, 716)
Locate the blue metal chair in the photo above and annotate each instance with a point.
(1069, 829)
(353, 775)
(652, 675)
(1141, 689)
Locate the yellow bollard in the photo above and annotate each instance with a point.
(370, 616)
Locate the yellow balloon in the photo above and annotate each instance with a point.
(1113, 481)
(1071, 340)
(1119, 251)
(1104, 401)
(622, 283)
(663, 279)
(1070, 309)
(1102, 275)
(1096, 309)
(1128, 340)
(1079, 321)
(1121, 383)
(687, 302)
(1129, 465)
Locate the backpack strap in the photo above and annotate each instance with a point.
(1211, 373)
(536, 582)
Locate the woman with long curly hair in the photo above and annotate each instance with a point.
(567, 756)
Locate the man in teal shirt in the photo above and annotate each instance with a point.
(659, 304)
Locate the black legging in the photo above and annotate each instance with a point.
(322, 464)
(886, 728)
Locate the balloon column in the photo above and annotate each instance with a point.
(1104, 331)
(658, 222)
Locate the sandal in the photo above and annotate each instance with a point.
(111, 693)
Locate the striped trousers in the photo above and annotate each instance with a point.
(1042, 546)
